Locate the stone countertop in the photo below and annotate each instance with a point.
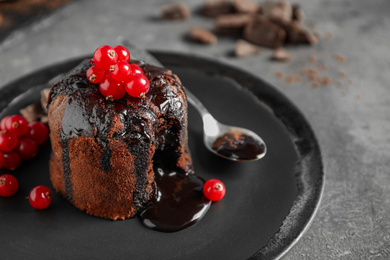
(350, 117)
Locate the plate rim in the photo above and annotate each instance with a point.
(268, 95)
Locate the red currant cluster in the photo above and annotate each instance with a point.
(115, 75)
(19, 140)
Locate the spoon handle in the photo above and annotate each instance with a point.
(195, 102)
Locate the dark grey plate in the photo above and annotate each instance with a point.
(268, 205)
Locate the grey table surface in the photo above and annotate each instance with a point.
(351, 118)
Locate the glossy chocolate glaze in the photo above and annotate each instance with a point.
(239, 146)
(157, 121)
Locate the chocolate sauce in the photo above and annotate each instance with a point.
(179, 203)
(239, 146)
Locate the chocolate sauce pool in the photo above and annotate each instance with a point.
(179, 203)
(238, 146)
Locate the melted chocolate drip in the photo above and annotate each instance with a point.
(180, 202)
(239, 146)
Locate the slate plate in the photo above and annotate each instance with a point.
(268, 206)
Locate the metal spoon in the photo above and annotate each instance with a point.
(230, 142)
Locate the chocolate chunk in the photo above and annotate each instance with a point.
(232, 23)
(296, 33)
(277, 11)
(262, 31)
(214, 8)
(246, 6)
(175, 11)
(245, 49)
(280, 54)
(297, 13)
(202, 35)
(33, 112)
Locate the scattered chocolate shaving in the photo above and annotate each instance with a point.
(294, 79)
(245, 49)
(297, 13)
(328, 35)
(262, 31)
(175, 11)
(246, 6)
(279, 74)
(202, 35)
(214, 8)
(281, 54)
(341, 59)
(313, 59)
(231, 23)
(342, 74)
(358, 96)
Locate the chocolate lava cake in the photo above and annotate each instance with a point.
(103, 152)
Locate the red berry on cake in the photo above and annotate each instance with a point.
(37, 132)
(95, 75)
(16, 125)
(112, 89)
(8, 141)
(40, 197)
(138, 86)
(214, 189)
(8, 185)
(26, 148)
(104, 57)
(12, 160)
(136, 69)
(123, 53)
(122, 71)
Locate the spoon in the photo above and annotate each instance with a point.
(230, 142)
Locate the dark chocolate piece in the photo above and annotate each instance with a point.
(214, 8)
(262, 31)
(281, 54)
(202, 35)
(246, 6)
(175, 11)
(296, 33)
(277, 11)
(297, 13)
(232, 23)
(245, 49)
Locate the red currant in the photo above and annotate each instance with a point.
(2, 122)
(136, 69)
(37, 132)
(112, 89)
(2, 160)
(16, 125)
(214, 189)
(12, 160)
(104, 57)
(95, 75)
(40, 197)
(8, 141)
(122, 71)
(138, 86)
(123, 53)
(8, 185)
(26, 148)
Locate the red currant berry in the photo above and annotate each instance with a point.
(136, 69)
(138, 86)
(37, 132)
(95, 75)
(104, 57)
(122, 71)
(26, 148)
(112, 89)
(123, 53)
(16, 125)
(2, 122)
(40, 197)
(8, 185)
(214, 189)
(12, 160)
(8, 141)
(2, 160)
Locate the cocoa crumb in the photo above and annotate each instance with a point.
(316, 84)
(280, 54)
(341, 59)
(310, 25)
(326, 81)
(328, 35)
(342, 74)
(293, 79)
(313, 59)
(358, 96)
(279, 74)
